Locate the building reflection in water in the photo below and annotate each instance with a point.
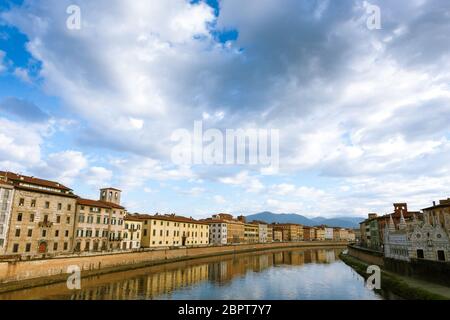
(161, 281)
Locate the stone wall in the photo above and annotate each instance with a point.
(366, 255)
(22, 274)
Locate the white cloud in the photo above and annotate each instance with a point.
(244, 180)
(22, 74)
(219, 199)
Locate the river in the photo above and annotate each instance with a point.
(294, 274)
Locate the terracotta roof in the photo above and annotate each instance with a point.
(132, 218)
(111, 189)
(16, 178)
(174, 218)
(98, 203)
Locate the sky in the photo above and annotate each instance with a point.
(362, 113)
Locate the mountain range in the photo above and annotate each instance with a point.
(270, 217)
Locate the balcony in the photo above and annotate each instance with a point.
(45, 224)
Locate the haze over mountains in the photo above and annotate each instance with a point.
(270, 217)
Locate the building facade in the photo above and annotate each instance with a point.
(290, 232)
(171, 230)
(132, 233)
(218, 234)
(251, 233)
(99, 224)
(41, 217)
(6, 200)
(328, 233)
(235, 227)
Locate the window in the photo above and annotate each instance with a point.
(68, 220)
(33, 203)
(55, 246)
(28, 247)
(16, 247)
(66, 234)
(59, 206)
(47, 205)
(145, 232)
(44, 233)
(58, 219)
(420, 254)
(19, 216)
(21, 202)
(30, 233)
(99, 219)
(69, 207)
(32, 217)
(161, 233)
(66, 245)
(17, 232)
(441, 255)
(57, 233)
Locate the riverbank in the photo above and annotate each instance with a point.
(16, 275)
(404, 287)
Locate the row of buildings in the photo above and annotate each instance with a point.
(224, 229)
(42, 218)
(408, 235)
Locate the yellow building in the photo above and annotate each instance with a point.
(277, 235)
(132, 233)
(172, 231)
(41, 217)
(290, 231)
(251, 233)
(269, 233)
(319, 233)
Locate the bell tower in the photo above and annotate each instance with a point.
(110, 195)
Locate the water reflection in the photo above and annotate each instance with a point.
(293, 274)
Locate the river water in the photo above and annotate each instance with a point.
(295, 274)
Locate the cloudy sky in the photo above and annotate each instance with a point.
(363, 114)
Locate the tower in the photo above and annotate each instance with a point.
(110, 195)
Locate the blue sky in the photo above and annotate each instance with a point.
(362, 114)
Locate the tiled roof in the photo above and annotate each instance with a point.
(98, 203)
(16, 178)
(174, 218)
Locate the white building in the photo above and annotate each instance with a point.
(217, 232)
(6, 198)
(428, 239)
(262, 233)
(328, 233)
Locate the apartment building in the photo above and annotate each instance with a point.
(6, 199)
(309, 233)
(263, 231)
(251, 233)
(99, 224)
(290, 231)
(42, 215)
(132, 233)
(269, 233)
(218, 234)
(235, 228)
(171, 230)
(328, 233)
(319, 233)
(277, 235)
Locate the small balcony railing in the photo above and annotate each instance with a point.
(45, 224)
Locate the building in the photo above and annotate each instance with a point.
(269, 233)
(263, 231)
(328, 233)
(235, 228)
(290, 231)
(319, 233)
(42, 215)
(218, 234)
(6, 200)
(170, 230)
(277, 235)
(251, 233)
(99, 224)
(309, 233)
(132, 233)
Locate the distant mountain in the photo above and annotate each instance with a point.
(269, 217)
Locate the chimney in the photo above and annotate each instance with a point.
(434, 203)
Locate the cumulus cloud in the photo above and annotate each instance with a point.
(353, 105)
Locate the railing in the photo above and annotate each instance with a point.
(45, 224)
